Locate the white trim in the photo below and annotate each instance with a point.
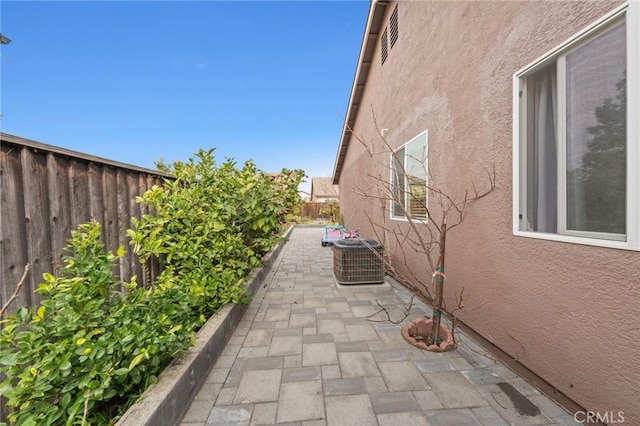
(392, 186)
(543, 60)
(426, 169)
(630, 241)
(595, 235)
(633, 125)
(561, 140)
(622, 245)
(518, 207)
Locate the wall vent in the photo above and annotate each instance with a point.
(394, 26)
(384, 49)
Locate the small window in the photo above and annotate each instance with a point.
(573, 140)
(384, 48)
(409, 179)
(393, 24)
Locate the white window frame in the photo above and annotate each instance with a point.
(391, 179)
(631, 12)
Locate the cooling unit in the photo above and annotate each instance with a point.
(358, 262)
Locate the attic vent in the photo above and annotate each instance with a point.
(394, 26)
(384, 49)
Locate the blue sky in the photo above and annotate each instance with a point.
(136, 81)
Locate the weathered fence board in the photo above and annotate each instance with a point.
(124, 222)
(96, 202)
(110, 198)
(59, 208)
(14, 254)
(45, 193)
(36, 205)
(80, 192)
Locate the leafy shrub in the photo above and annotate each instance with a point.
(89, 350)
(213, 224)
(88, 346)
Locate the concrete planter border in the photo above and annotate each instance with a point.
(165, 402)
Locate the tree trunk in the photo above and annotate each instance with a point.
(439, 281)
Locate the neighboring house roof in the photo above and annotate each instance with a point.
(4, 40)
(374, 23)
(321, 187)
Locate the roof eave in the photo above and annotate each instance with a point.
(374, 21)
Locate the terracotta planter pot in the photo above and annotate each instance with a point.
(413, 332)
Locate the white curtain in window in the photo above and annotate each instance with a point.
(545, 182)
(398, 172)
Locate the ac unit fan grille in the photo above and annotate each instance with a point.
(358, 262)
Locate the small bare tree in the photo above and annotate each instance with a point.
(430, 212)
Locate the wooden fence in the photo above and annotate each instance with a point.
(317, 210)
(45, 193)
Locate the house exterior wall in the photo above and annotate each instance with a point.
(568, 312)
(322, 199)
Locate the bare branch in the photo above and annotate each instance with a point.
(16, 292)
(86, 408)
(386, 312)
(429, 211)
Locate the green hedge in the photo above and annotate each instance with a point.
(88, 351)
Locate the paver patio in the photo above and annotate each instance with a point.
(305, 353)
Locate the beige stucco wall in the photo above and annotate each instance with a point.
(568, 312)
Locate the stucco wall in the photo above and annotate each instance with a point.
(568, 312)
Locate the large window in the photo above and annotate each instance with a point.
(409, 179)
(574, 142)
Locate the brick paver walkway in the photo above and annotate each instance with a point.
(305, 353)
